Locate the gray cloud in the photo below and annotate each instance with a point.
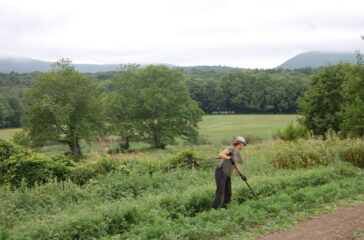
(238, 33)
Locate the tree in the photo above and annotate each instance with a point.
(121, 104)
(153, 105)
(62, 106)
(352, 111)
(323, 100)
(164, 106)
(3, 115)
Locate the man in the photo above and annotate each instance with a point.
(230, 157)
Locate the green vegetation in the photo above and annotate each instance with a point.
(334, 101)
(129, 185)
(215, 88)
(152, 105)
(62, 107)
(294, 131)
(146, 195)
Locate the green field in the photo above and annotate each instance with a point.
(217, 129)
(149, 194)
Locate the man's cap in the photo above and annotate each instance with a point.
(241, 139)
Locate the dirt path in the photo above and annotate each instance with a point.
(340, 225)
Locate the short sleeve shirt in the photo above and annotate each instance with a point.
(226, 164)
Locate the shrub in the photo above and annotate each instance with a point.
(22, 138)
(293, 132)
(186, 158)
(353, 152)
(84, 172)
(17, 163)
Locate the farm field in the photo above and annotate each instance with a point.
(219, 127)
(152, 194)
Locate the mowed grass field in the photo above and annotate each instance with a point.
(219, 127)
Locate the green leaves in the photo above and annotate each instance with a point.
(335, 101)
(152, 105)
(62, 106)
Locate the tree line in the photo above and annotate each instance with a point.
(215, 88)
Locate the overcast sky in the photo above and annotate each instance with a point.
(240, 33)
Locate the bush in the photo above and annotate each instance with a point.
(17, 163)
(186, 158)
(22, 138)
(293, 132)
(83, 173)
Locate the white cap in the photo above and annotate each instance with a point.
(241, 139)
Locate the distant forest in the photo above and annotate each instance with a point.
(217, 89)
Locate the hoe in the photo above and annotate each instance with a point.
(246, 181)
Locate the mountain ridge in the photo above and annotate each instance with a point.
(313, 59)
(316, 59)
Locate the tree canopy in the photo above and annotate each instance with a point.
(62, 106)
(153, 104)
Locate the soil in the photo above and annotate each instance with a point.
(343, 224)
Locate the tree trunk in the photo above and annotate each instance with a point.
(75, 150)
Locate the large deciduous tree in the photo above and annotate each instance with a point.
(62, 106)
(152, 104)
(323, 100)
(335, 100)
(352, 111)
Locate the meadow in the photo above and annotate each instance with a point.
(151, 194)
(216, 129)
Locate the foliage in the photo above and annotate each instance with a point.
(84, 172)
(62, 107)
(334, 100)
(353, 153)
(249, 91)
(18, 164)
(307, 154)
(186, 158)
(352, 112)
(293, 132)
(153, 105)
(23, 139)
(173, 218)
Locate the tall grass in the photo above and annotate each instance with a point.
(310, 153)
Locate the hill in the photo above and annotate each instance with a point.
(26, 65)
(317, 59)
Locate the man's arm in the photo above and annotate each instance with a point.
(237, 170)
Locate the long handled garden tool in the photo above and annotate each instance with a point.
(246, 181)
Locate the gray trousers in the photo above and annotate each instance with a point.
(223, 189)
